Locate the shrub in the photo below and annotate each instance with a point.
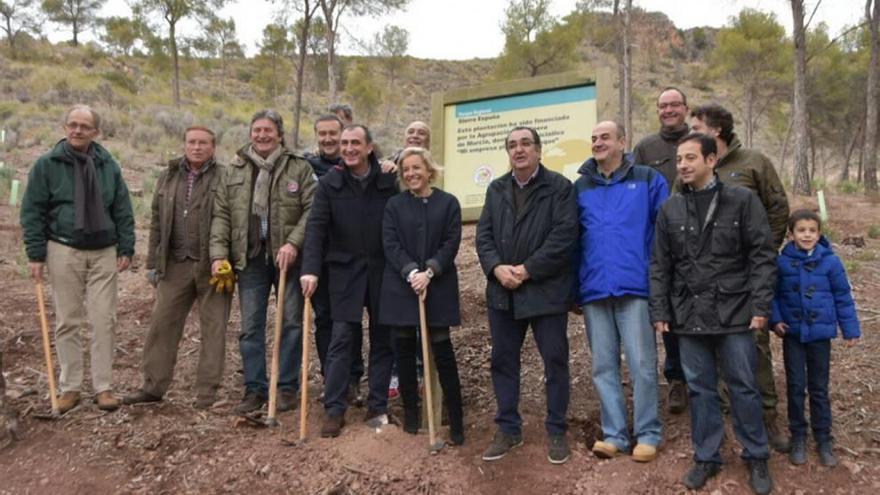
(874, 232)
(174, 122)
(143, 136)
(849, 187)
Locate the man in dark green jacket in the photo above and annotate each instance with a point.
(76, 217)
(179, 267)
(751, 169)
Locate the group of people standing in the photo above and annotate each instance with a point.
(679, 237)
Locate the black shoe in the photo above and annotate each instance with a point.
(354, 397)
(558, 451)
(678, 396)
(759, 477)
(411, 420)
(286, 401)
(700, 473)
(797, 454)
(332, 426)
(140, 397)
(501, 444)
(251, 402)
(826, 454)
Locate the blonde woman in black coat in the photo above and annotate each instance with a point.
(421, 232)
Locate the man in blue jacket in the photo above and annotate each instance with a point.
(617, 204)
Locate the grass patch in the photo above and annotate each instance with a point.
(874, 232)
(849, 187)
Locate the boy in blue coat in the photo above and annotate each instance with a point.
(813, 297)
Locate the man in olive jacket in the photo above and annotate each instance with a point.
(76, 218)
(525, 241)
(754, 171)
(713, 271)
(179, 267)
(264, 177)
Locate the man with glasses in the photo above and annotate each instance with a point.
(525, 240)
(76, 217)
(658, 151)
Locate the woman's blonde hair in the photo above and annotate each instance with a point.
(433, 167)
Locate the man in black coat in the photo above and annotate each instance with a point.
(345, 231)
(713, 272)
(328, 130)
(658, 151)
(525, 240)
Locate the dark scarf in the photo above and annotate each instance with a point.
(90, 223)
(673, 135)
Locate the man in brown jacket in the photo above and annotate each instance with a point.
(753, 170)
(179, 267)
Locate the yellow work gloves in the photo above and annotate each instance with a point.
(225, 278)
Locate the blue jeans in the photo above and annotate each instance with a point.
(339, 357)
(807, 366)
(737, 358)
(508, 335)
(610, 323)
(254, 284)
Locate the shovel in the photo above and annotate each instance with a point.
(47, 351)
(276, 350)
(435, 445)
(304, 374)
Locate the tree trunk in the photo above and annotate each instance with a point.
(331, 63)
(75, 32)
(750, 103)
(784, 152)
(872, 98)
(618, 54)
(801, 170)
(175, 82)
(844, 174)
(300, 75)
(10, 37)
(627, 73)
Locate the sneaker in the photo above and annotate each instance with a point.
(501, 444)
(140, 397)
(376, 419)
(558, 451)
(759, 477)
(67, 401)
(644, 453)
(286, 401)
(700, 473)
(797, 454)
(251, 402)
(332, 426)
(678, 397)
(107, 401)
(605, 450)
(826, 454)
(393, 389)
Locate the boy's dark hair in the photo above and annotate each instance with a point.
(716, 117)
(708, 146)
(803, 214)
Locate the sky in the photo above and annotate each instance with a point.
(465, 29)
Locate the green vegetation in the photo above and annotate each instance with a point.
(874, 232)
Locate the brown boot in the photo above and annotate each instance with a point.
(775, 438)
(332, 426)
(106, 401)
(67, 401)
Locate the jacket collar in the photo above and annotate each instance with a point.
(101, 153)
(590, 168)
(241, 158)
(339, 175)
(822, 249)
(733, 150)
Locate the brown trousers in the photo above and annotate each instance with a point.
(183, 284)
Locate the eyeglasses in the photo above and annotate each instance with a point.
(672, 104)
(74, 126)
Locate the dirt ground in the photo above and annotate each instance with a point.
(172, 448)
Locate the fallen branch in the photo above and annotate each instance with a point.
(356, 471)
